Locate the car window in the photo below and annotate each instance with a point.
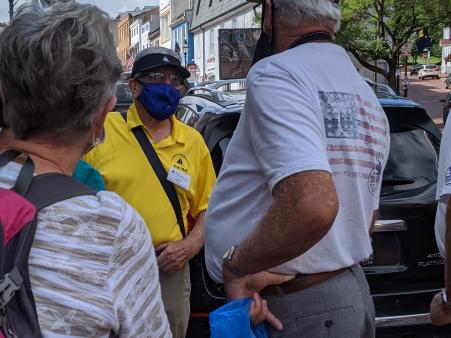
(123, 93)
(187, 115)
(412, 162)
(429, 67)
(218, 152)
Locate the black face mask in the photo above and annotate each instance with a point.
(265, 44)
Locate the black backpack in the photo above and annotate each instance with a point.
(18, 221)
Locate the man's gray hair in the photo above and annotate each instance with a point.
(58, 67)
(317, 11)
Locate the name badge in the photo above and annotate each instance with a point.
(179, 178)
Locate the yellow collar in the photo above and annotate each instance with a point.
(177, 135)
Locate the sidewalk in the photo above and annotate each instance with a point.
(428, 93)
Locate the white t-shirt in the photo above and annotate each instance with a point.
(93, 269)
(306, 109)
(443, 188)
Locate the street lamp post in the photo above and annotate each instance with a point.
(185, 49)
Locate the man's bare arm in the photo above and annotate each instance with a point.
(302, 212)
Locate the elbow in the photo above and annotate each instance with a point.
(322, 218)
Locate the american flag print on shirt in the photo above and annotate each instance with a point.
(356, 136)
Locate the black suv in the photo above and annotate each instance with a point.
(406, 269)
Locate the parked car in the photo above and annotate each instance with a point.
(381, 89)
(124, 97)
(448, 82)
(428, 71)
(446, 106)
(415, 68)
(406, 269)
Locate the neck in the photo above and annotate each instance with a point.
(286, 36)
(158, 129)
(47, 157)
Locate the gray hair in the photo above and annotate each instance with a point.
(58, 67)
(318, 11)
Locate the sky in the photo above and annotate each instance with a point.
(112, 7)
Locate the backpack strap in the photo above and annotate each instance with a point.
(47, 189)
(26, 172)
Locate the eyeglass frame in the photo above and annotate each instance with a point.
(175, 82)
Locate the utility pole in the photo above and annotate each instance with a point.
(11, 9)
(406, 82)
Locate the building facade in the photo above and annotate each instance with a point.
(123, 36)
(181, 17)
(165, 23)
(112, 25)
(209, 16)
(135, 37)
(445, 43)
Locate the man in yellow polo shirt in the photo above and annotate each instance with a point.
(155, 83)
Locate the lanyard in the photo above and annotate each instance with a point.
(312, 37)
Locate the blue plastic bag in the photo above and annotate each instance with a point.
(232, 320)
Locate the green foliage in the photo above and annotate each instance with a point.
(377, 29)
(257, 18)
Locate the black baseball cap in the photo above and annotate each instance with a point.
(154, 57)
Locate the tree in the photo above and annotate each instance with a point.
(377, 29)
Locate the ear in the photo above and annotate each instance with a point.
(101, 116)
(267, 20)
(135, 87)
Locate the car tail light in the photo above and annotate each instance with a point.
(386, 225)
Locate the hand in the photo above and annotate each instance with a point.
(237, 288)
(249, 286)
(173, 256)
(259, 312)
(440, 315)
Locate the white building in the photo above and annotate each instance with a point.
(208, 17)
(135, 37)
(445, 43)
(165, 23)
(150, 32)
(145, 28)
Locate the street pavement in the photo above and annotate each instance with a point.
(428, 93)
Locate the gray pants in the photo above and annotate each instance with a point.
(340, 307)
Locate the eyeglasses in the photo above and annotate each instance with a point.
(157, 77)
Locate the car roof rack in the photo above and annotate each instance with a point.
(222, 83)
(214, 93)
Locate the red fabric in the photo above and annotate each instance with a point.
(15, 212)
(191, 223)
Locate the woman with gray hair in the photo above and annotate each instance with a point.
(92, 265)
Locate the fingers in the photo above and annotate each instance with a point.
(272, 320)
(277, 278)
(259, 313)
(161, 247)
(258, 310)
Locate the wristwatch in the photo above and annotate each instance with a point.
(227, 263)
(445, 301)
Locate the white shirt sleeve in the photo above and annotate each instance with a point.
(134, 281)
(445, 192)
(444, 187)
(286, 126)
